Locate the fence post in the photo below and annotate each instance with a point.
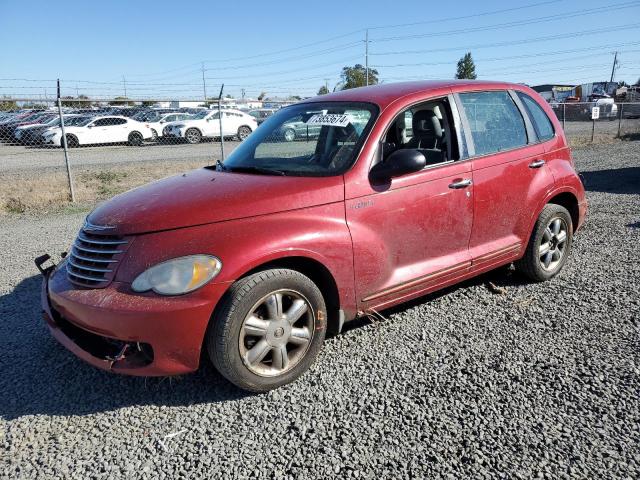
(564, 115)
(620, 118)
(220, 120)
(65, 147)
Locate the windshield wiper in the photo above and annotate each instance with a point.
(256, 169)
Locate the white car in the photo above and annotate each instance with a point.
(207, 124)
(160, 120)
(28, 134)
(100, 130)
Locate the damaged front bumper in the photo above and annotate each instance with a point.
(114, 330)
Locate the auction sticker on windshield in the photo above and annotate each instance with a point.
(330, 119)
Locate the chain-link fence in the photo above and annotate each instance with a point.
(112, 148)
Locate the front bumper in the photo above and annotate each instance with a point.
(114, 329)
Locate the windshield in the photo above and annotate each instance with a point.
(312, 139)
(77, 121)
(200, 115)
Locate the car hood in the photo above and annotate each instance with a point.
(207, 196)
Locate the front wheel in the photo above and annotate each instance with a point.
(193, 135)
(243, 132)
(549, 245)
(269, 329)
(135, 139)
(289, 135)
(72, 141)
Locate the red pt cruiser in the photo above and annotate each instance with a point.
(334, 207)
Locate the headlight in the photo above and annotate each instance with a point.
(179, 275)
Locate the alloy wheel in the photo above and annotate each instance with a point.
(277, 333)
(553, 244)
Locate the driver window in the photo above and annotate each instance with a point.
(426, 127)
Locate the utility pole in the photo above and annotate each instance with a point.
(220, 121)
(243, 93)
(326, 84)
(204, 86)
(366, 56)
(615, 64)
(124, 83)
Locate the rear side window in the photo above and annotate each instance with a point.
(541, 123)
(495, 122)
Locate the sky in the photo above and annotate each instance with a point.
(157, 49)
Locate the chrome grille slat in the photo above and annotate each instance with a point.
(95, 250)
(91, 269)
(93, 259)
(99, 241)
(85, 277)
(97, 260)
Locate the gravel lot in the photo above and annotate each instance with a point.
(542, 380)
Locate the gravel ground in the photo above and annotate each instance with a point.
(539, 381)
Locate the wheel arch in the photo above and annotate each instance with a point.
(569, 201)
(310, 267)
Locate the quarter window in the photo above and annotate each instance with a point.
(540, 120)
(495, 122)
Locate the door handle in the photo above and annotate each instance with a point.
(536, 164)
(464, 183)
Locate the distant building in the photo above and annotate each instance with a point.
(181, 104)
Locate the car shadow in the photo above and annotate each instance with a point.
(40, 377)
(616, 180)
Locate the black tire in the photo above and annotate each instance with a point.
(243, 132)
(532, 263)
(193, 136)
(224, 333)
(72, 141)
(136, 139)
(289, 135)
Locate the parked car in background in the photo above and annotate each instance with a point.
(100, 130)
(31, 134)
(251, 261)
(261, 114)
(157, 121)
(7, 129)
(207, 124)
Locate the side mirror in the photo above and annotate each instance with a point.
(163, 121)
(400, 162)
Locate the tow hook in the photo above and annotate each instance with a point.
(121, 354)
(39, 261)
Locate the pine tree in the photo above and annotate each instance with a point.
(466, 67)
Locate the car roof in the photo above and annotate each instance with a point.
(386, 93)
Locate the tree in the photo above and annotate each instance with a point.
(77, 102)
(323, 90)
(262, 96)
(356, 76)
(466, 67)
(7, 104)
(120, 101)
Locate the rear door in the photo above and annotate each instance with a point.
(509, 174)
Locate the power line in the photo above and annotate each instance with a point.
(547, 18)
(515, 42)
(515, 57)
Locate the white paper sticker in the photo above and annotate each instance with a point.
(330, 119)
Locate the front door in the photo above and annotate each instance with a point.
(412, 235)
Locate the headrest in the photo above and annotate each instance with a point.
(425, 122)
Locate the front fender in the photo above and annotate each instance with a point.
(319, 233)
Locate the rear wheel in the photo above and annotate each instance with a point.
(243, 132)
(135, 139)
(289, 135)
(269, 329)
(549, 245)
(193, 135)
(72, 141)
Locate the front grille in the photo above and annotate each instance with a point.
(93, 259)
